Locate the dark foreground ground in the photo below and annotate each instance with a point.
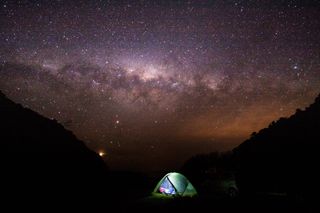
(200, 204)
(129, 192)
(213, 204)
(133, 194)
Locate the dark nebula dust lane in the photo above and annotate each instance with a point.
(151, 83)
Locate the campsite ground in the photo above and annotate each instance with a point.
(132, 193)
(214, 204)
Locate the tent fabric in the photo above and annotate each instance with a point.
(167, 187)
(175, 184)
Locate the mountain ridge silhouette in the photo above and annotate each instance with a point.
(40, 158)
(282, 157)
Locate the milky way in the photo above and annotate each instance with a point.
(151, 83)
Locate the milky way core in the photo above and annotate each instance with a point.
(151, 83)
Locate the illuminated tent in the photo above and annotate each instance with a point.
(175, 184)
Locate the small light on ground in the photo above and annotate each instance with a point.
(101, 153)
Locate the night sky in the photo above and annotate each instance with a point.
(151, 83)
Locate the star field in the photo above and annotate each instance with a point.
(150, 83)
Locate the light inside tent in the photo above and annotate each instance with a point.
(166, 187)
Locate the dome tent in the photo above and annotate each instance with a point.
(175, 184)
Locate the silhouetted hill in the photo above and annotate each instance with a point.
(40, 160)
(283, 157)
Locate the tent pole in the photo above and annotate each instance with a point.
(173, 185)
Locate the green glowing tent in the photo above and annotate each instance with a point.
(175, 184)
